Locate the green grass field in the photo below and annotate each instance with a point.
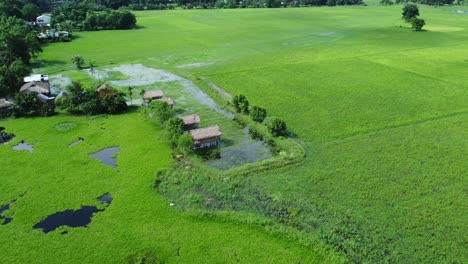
(381, 110)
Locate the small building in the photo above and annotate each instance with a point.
(191, 121)
(104, 87)
(36, 78)
(45, 99)
(43, 20)
(34, 86)
(153, 95)
(168, 100)
(5, 107)
(207, 137)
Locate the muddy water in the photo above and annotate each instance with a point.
(140, 75)
(247, 151)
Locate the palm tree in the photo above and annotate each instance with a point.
(78, 61)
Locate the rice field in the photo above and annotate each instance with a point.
(382, 112)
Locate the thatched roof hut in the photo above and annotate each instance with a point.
(206, 137)
(104, 87)
(191, 121)
(34, 86)
(153, 95)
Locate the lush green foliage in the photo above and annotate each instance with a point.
(78, 61)
(185, 144)
(381, 112)
(258, 113)
(417, 23)
(410, 11)
(89, 101)
(162, 111)
(240, 103)
(115, 19)
(19, 45)
(136, 223)
(175, 128)
(29, 105)
(277, 127)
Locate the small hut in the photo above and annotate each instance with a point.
(35, 86)
(207, 137)
(104, 87)
(191, 121)
(153, 95)
(169, 101)
(5, 107)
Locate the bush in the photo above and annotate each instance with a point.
(175, 127)
(241, 104)
(82, 101)
(185, 144)
(29, 105)
(258, 114)
(417, 23)
(410, 11)
(162, 111)
(277, 127)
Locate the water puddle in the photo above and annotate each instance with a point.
(107, 156)
(105, 198)
(5, 208)
(71, 218)
(140, 75)
(80, 139)
(246, 151)
(23, 146)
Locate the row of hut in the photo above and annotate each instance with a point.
(206, 137)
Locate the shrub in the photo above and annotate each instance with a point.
(185, 144)
(82, 101)
(175, 127)
(417, 23)
(258, 114)
(241, 104)
(29, 105)
(162, 111)
(277, 127)
(410, 11)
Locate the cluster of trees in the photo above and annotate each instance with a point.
(178, 140)
(29, 105)
(25, 9)
(114, 19)
(424, 2)
(18, 46)
(93, 15)
(410, 15)
(276, 126)
(87, 101)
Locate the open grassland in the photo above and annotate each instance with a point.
(381, 110)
